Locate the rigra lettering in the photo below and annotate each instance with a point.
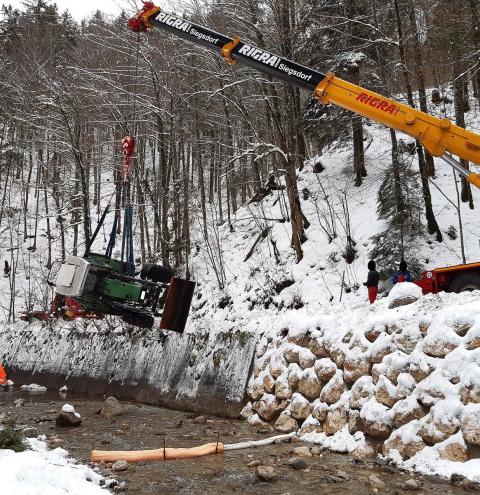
(259, 55)
(173, 21)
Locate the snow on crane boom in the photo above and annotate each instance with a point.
(440, 137)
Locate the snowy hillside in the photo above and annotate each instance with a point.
(268, 284)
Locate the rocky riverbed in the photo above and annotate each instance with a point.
(292, 468)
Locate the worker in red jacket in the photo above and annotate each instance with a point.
(372, 281)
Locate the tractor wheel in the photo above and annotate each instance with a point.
(465, 282)
(142, 320)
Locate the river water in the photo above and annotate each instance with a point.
(149, 427)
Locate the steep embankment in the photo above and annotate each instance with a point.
(402, 381)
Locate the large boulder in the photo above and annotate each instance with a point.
(334, 389)
(407, 410)
(300, 407)
(355, 365)
(405, 441)
(286, 424)
(291, 352)
(454, 449)
(299, 336)
(309, 385)
(402, 294)
(247, 411)
(294, 371)
(316, 346)
(441, 344)
(320, 410)
(442, 421)
(386, 392)
(377, 419)
(325, 369)
(381, 348)
(278, 364)
(362, 391)
(310, 425)
(355, 422)
(283, 390)
(256, 388)
(267, 407)
(306, 358)
(337, 418)
(471, 424)
(268, 381)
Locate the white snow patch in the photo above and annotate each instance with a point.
(33, 387)
(403, 290)
(43, 471)
(342, 441)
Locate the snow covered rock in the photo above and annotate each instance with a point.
(377, 419)
(405, 441)
(386, 392)
(337, 418)
(402, 294)
(320, 410)
(310, 425)
(381, 348)
(316, 346)
(355, 365)
(267, 407)
(291, 351)
(300, 407)
(306, 358)
(372, 334)
(453, 449)
(256, 420)
(256, 388)
(364, 451)
(309, 385)
(247, 411)
(33, 387)
(278, 364)
(285, 423)
(442, 421)
(362, 390)
(68, 417)
(334, 389)
(471, 424)
(355, 422)
(283, 390)
(325, 369)
(407, 410)
(299, 336)
(268, 381)
(440, 344)
(294, 372)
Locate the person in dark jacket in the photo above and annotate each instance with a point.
(403, 275)
(372, 281)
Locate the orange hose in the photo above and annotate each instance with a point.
(157, 454)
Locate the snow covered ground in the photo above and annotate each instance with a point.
(39, 471)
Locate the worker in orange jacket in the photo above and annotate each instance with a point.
(3, 377)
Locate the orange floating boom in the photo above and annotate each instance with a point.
(167, 454)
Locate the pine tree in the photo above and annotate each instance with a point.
(399, 204)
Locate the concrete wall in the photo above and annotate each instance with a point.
(202, 372)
